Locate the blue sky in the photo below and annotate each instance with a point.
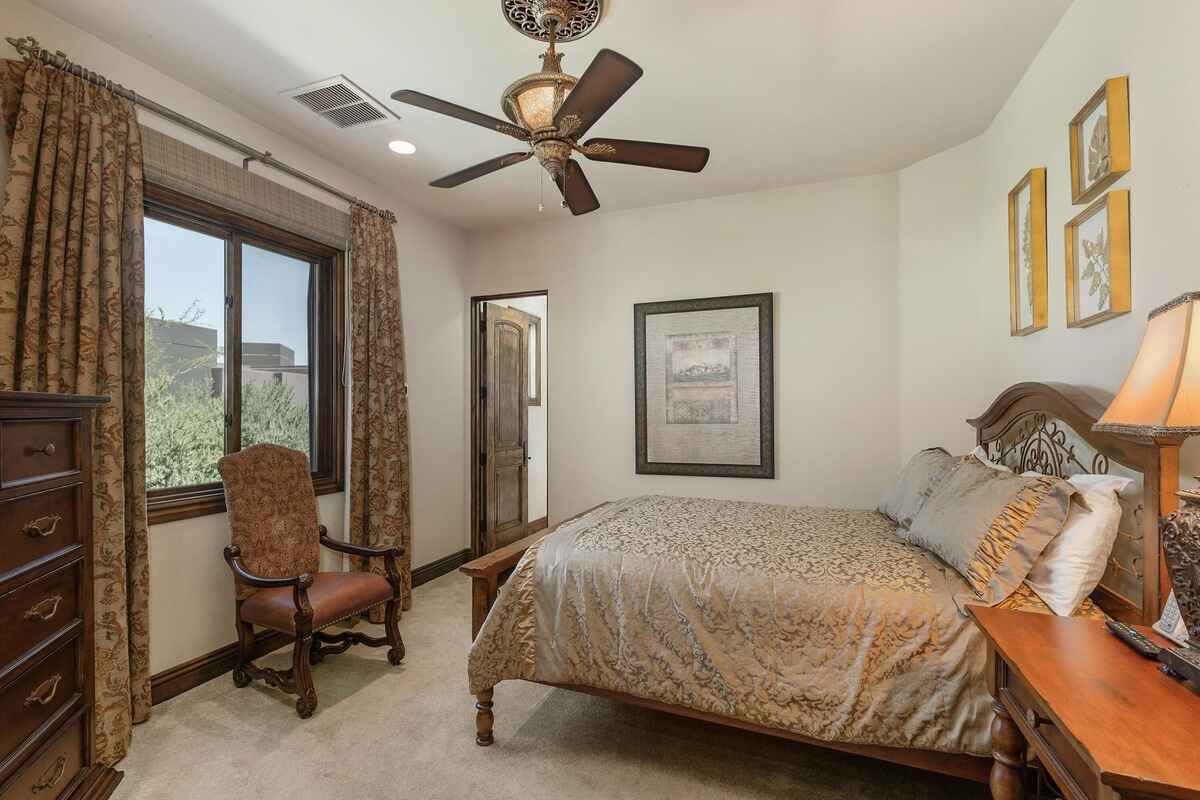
(183, 266)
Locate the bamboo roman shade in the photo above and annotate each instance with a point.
(192, 171)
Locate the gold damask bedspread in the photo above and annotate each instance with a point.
(817, 621)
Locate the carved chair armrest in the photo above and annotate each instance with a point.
(233, 557)
(358, 549)
(388, 554)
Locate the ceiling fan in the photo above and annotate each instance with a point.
(551, 110)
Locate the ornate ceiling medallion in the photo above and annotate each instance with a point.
(576, 18)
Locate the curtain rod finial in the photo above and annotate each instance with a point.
(27, 46)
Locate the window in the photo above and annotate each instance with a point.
(243, 346)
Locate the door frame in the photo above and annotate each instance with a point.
(477, 415)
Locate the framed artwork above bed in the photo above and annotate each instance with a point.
(1099, 141)
(1027, 304)
(704, 374)
(1098, 271)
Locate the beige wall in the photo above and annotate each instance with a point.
(955, 352)
(827, 251)
(190, 596)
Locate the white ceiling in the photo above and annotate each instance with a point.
(783, 91)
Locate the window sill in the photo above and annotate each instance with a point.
(211, 500)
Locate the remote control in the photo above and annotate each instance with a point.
(1135, 639)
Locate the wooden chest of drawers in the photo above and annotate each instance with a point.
(46, 633)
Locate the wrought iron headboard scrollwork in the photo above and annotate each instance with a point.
(1047, 428)
(1040, 444)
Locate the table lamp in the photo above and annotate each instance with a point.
(1160, 399)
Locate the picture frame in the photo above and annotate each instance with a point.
(704, 398)
(1098, 261)
(1028, 308)
(1099, 141)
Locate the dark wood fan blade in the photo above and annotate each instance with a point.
(647, 154)
(479, 170)
(576, 190)
(458, 112)
(607, 78)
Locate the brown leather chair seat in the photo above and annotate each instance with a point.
(333, 596)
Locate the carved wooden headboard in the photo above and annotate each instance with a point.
(1047, 427)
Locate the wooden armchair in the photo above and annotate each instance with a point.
(275, 559)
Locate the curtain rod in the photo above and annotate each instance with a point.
(31, 50)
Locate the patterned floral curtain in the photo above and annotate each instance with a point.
(380, 507)
(71, 321)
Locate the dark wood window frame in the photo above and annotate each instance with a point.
(167, 205)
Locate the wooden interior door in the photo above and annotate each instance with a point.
(505, 390)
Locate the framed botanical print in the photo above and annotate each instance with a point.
(704, 387)
(1100, 141)
(1097, 248)
(1027, 306)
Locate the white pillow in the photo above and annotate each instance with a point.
(980, 453)
(1071, 566)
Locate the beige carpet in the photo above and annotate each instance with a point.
(408, 732)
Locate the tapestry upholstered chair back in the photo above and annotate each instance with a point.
(272, 511)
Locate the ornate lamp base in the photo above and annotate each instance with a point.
(1180, 535)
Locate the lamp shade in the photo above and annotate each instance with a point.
(1161, 393)
(532, 101)
(537, 105)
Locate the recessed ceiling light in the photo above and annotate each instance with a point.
(402, 147)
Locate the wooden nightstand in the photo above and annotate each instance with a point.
(1103, 721)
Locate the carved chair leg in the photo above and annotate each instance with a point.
(391, 625)
(484, 718)
(306, 703)
(1008, 750)
(241, 678)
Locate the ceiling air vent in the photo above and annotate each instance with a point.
(342, 102)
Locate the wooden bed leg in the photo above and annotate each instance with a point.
(1008, 750)
(484, 718)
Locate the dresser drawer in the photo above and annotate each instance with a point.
(37, 693)
(38, 609)
(39, 525)
(48, 775)
(37, 449)
(1056, 752)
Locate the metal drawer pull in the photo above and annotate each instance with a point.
(43, 694)
(37, 528)
(44, 609)
(52, 776)
(48, 450)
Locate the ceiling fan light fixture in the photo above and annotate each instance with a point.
(550, 112)
(533, 100)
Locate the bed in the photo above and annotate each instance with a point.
(817, 625)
